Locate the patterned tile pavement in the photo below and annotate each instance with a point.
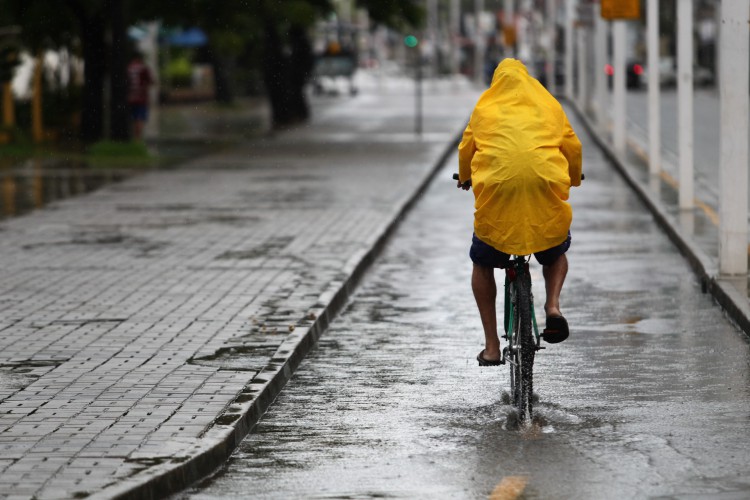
(146, 326)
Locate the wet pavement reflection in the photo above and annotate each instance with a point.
(34, 183)
(648, 398)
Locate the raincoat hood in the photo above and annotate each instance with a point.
(509, 73)
(522, 157)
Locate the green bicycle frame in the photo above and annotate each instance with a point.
(519, 265)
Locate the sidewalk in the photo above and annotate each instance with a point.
(145, 328)
(694, 232)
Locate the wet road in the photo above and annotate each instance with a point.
(648, 398)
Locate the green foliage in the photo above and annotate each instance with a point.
(44, 23)
(120, 150)
(179, 71)
(399, 14)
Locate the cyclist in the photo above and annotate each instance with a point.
(522, 156)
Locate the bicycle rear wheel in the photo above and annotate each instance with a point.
(524, 349)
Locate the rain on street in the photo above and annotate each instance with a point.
(648, 398)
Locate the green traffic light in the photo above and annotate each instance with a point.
(411, 41)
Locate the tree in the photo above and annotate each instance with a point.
(274, 32)
(45, 23)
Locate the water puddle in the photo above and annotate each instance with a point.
(34, 183)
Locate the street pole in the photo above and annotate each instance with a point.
(151, 130)
(524, 35)
(570, 6)
(551, 46)
(418, 97)
(600, 58)
(685, 101)
(432, 7)
(654, 114)
(455, 29)
(619, 112)
(478, 44)
(582, 87)
(734, 103)
(509, 21)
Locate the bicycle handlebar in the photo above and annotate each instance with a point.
(468, 183)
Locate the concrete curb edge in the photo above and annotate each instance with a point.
(249, 406)
(723, 292)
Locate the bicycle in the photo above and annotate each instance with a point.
(522, 334)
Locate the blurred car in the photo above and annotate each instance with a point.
(702, 76)
(540, 71)
(634, 77)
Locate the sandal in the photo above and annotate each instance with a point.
(556, 331)
(487, 362)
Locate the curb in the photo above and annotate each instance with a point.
(240, 416)
(722, 290)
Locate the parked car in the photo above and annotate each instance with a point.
(702, 77)
(634, 78)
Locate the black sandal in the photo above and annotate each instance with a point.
(556, 331)
(487, 362)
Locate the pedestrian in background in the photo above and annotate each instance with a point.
(139, 80)
(522, 156)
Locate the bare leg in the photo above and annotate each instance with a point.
(554, 277)
(485, 293)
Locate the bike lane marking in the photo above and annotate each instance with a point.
(509, 488)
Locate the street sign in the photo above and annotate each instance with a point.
(621, 9)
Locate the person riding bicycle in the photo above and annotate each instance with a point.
(522, 156)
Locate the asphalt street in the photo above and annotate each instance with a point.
(649, 398)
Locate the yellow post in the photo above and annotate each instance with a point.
(9, 195)
(37, 127)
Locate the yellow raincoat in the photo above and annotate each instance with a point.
(522, 156)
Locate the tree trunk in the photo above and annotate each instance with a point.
(275, 76)
(120, 116)
(94, 53)
(222, 85)
(301, 64)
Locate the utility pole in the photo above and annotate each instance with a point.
(685, 100)
(619, 113)
(478, 43)
(582, 27)
(654, 113)
(570, 6)
(600, 57)
(509, 28)
(455, 34)
(432, 19)
(150, 48)
(551, 45)
(733, 157)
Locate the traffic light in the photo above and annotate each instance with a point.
(411, 41)
(8, 62)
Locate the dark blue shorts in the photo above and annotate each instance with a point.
(139, 112)
(484, 255)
